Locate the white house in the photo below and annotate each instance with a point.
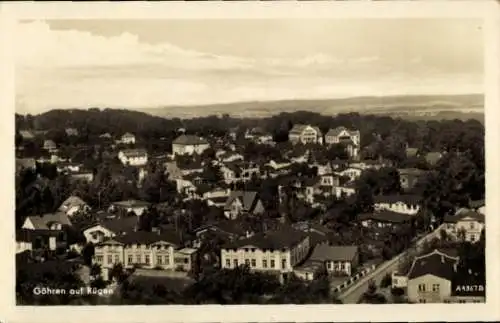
(189, 145)
(137, 207)
(110, 228)
(305, 134)
(133, 157)
(128, 138)
(337, 260)
(73, 205)
(352, 172)
(275, 251)
(350, 138)
(406, 204)
(465, 224)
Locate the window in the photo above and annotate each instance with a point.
(328, 264)
(138, 259)
(130, 259)
(117, 259)
(462, 301)
(228, 262)
(110, 259)
(254, 263)
(147, 259)
(167, 259)
(342, 266)
(472, 225)
(247, 262)
(264, 263)
(235, 263)
(435, 287)
(272, 263)
(283, 263)
(472, 237)
(159, 260)
(99, 259)
(422, 300)
(421, 287)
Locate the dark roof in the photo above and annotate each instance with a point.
(435, 263)
(144, 237)
(476, 204)
(118, 225)
(408, 199)
(385, 216)
(464, 214)
(281, 239)
(324, 252)
(134, 152)
(230, 227)
(189, 140)
(247, 199)
(43, 222)
(299, 128)
(26, 235)
(338, 130)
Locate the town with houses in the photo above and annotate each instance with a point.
(307, 213)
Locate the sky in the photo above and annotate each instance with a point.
(148, 63)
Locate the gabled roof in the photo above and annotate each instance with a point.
(325, 252)
(134, 152)
(336, 131)
(385, 216)
(433, 157)
(464, 214)
(128, 135)
(144, 237)
(405, 198)
(189, 140)
(43, 222)
(299, 128)
(284, 238)
(118, 225)
(435, 263)
(70, 202)
(247, 199)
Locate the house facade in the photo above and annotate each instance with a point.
(405, 204)
(276, 251)
(305, 134)
(189, 145)
(350, 138)
(73, 205)
(128, 138)
(466, 225)
(242, 202)
(133, 157)
(144, 249)
(337, 260)
(137, 207)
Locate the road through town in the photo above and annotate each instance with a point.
(352, 294)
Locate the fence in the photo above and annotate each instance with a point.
(353, 279)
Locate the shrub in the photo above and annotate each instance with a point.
(397, 291)
(386, 281)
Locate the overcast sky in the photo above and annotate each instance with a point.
(174, 62)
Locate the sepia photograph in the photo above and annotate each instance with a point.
(263, 161)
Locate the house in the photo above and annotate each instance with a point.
(273, 251)
(465, 224)
(243, 202)
(353, 173)
(105, 135)
(185, 259)
(185, 186)
(128, 138)
(409, 177)
(411, 152)
(433, 157)
(349, 138)
(69, 167)
(227, 230)
(383, 219)
(137, 207)
(57, 223)
(25, 164)
(230, 156)
(478, 206)
(406, 204)
(430, 277)
(36, 239)
(217, 197)
(317, 233)
(73, 205)
(345, 190)
(258, 135)
(49, 145)
(109, 228)
(189, 145)
(140, 248)
(369, 164)
(305, 134)
(82, 175)
(71, 132)
(27, 134)
(337, 260)
(239, 171)
(133, 157)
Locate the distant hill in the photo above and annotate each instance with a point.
(469, 106)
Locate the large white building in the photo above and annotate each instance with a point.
(276, 251)
(189, 145)
(305, 134)
(465, 224)
(133, 157)
(351, 139)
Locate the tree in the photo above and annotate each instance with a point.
(88, 253)
(386, 281)
(371, 296)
